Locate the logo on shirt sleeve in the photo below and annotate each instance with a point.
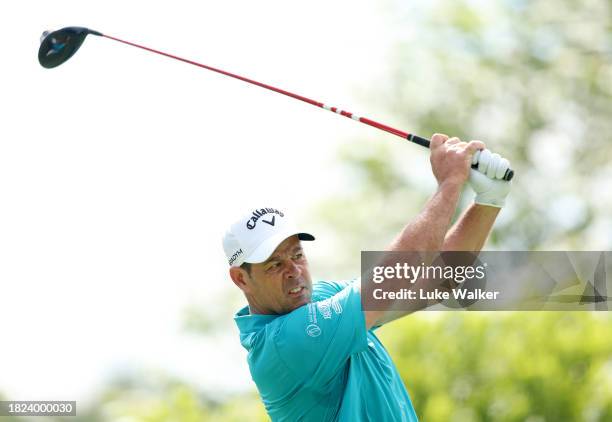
(326, 306)
(336, 306)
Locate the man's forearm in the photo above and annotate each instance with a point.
(427, 231)
(469, 233)
(450, 162)
(472, 229)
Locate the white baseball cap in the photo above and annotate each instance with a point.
(255, 235)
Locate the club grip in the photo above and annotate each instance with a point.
(418, 140)
(425, 142)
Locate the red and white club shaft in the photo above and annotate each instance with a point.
(402, 134)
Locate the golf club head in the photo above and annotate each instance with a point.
(58, 46)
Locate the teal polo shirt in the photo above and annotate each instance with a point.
(319, 363)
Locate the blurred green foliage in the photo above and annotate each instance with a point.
(151, 396)
(531, 79)
(177, 403)
(529, 366)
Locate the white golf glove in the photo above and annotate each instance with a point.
(488, 181)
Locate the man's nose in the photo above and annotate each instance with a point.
(293, 270)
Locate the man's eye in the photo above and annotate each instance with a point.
(298, 255)
(274, 266)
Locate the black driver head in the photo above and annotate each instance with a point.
(58, 46)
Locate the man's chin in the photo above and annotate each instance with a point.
(299, 302)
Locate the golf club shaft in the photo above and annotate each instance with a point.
(413, 138)
(402, 134)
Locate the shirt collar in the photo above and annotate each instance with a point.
(250, 324)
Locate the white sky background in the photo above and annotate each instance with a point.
(120, 169)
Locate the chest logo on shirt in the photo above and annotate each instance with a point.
(313, 330)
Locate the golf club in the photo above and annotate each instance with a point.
(59, 46)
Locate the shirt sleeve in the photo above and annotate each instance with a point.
(315, 341)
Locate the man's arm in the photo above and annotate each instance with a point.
(427, 231)
(450, 162)
(469, 233)
(472, 229)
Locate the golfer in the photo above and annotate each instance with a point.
(312, 350)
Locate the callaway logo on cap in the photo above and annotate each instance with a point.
(256, 235)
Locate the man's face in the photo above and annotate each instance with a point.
(282, 283)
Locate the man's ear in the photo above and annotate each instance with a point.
(240, 278)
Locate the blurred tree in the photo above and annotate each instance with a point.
(532, 79)
(155, 397)
(505, 366)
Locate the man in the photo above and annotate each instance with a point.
(312, 351)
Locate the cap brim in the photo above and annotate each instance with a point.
(265, 250)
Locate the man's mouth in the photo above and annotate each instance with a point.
(296, 291)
